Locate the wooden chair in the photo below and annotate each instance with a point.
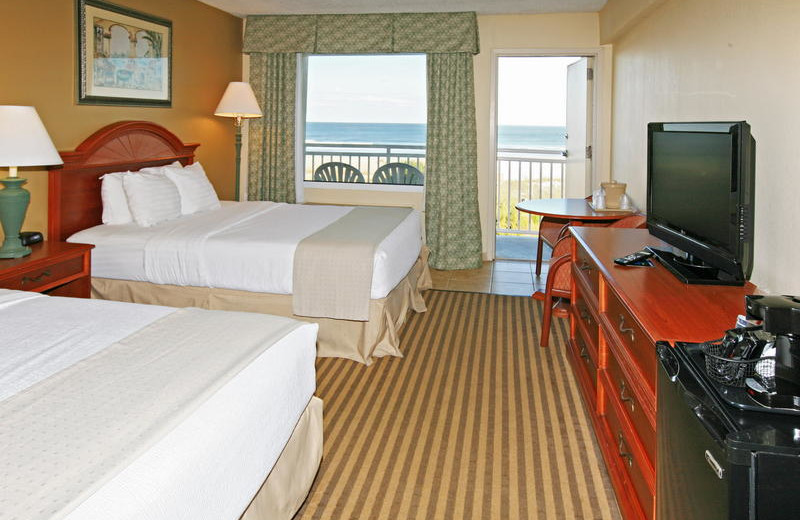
(559, 277)
(398, 173)
(549, 230)
(337, 172)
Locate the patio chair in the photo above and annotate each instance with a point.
(398, 173)
(337, 172)
(559, 277)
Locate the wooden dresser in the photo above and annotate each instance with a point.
(617, 314)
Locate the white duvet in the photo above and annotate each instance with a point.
(243, 245)
(212, 463)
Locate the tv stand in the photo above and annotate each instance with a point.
(691, 271)
(617, 313)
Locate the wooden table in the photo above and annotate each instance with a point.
(558, 212)
(576, 211)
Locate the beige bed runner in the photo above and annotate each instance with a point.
(332, 274)
(66, 436)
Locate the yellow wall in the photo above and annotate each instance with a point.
(37, 51)
(507, 32)
(695, 60)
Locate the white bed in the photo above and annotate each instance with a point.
(215, 460)
(246, 246)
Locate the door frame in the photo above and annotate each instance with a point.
(601, 119)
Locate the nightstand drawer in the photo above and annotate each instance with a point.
(36, 279)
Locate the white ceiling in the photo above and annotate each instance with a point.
(245, 7)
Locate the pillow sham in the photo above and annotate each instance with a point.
(152, 198)
(197, 193)
(115, 202)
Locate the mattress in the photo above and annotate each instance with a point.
(247, 246)
(212, 463)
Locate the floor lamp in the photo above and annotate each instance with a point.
(23, 142)
(238, 102)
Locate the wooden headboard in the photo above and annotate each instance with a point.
(74, 188)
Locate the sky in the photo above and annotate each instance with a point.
(391, 89)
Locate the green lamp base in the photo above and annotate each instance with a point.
(14, 201)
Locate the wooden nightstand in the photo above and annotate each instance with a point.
(57, 268)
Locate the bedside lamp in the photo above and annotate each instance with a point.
(23, 142)
(238, 102)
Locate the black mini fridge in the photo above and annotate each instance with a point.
(717, 459)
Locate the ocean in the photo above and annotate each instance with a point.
(544, 137)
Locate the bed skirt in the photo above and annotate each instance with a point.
(289, 482)
(360, 341)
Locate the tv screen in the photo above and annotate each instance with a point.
(700, 192)
(691, 183)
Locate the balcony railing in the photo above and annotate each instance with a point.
(524, 174)
(365, 157)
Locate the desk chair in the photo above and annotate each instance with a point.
(559, 277)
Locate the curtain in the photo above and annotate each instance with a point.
(271, 142)
(451, 191)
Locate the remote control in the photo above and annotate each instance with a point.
(634, 258)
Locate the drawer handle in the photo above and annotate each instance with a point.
(622, 453)
(585, 316)
(585, 266)
(626, 398)
(626, 330)
(584, 353)
(45, 274)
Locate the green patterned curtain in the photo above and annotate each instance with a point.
(452, 225)
(271, 143)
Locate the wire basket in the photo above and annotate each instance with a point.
(733, 371)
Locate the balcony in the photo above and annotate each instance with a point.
(364, 157)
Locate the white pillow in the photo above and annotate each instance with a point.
(152, 198)
(115, 202)
(197, 193)
(160, 169)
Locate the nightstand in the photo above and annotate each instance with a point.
(57, 268)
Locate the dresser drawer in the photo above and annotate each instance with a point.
(637, 473)
(588, 364)
(586, 269)
(586, 320)
(51, 275)
(633, 338)
(631, 404)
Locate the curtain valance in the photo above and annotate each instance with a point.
(363, 33)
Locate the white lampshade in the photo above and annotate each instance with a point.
(238, 101)
(24, 140)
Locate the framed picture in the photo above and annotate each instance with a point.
(124, 56)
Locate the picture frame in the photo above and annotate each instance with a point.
(124, 56)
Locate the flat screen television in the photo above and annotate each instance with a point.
(700, 199)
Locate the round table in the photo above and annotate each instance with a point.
(576, 211)
(557, 212)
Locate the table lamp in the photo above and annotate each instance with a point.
(23, 142)
(238, 102)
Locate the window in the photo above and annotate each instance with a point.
(362, 113)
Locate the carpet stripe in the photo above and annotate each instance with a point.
(477, 421)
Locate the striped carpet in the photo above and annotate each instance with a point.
(476, 421)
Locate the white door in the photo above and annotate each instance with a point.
(578, 168)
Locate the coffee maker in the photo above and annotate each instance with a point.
(779, 391)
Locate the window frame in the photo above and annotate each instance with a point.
(300, 137)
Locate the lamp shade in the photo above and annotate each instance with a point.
(238, 101)
(23, 138)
